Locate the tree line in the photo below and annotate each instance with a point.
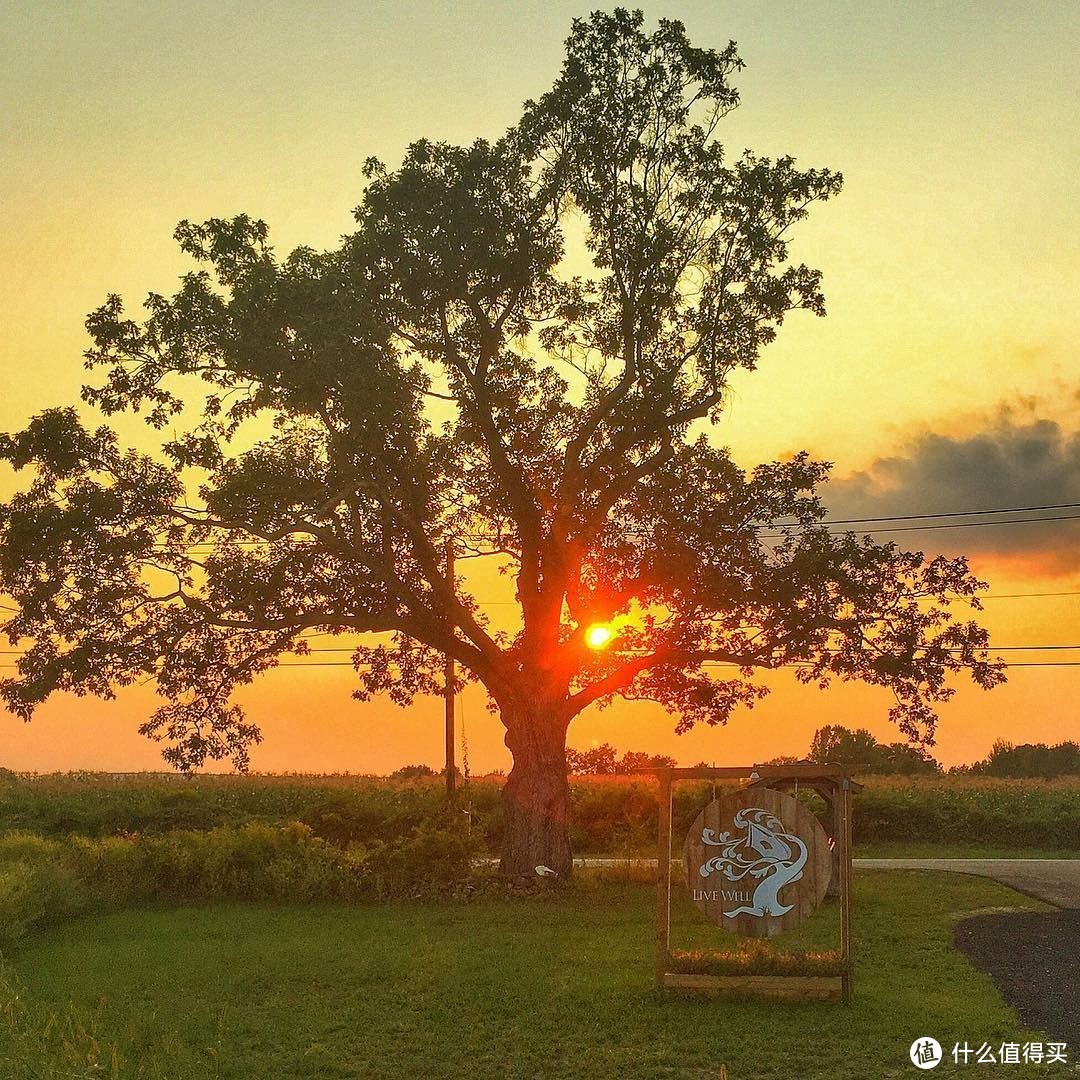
(859, 749)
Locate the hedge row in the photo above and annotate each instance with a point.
(44, 880)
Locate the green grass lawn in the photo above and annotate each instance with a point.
(896, 849)
(899, 849)
(558, 986)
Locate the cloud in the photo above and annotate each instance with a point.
(1019, 459)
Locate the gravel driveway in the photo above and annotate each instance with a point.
(1034, 959)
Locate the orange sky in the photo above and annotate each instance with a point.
(949, 260)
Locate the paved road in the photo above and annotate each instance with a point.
(1057, 881)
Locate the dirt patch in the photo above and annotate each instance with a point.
(1034, 959)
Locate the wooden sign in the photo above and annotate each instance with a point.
(757, 862)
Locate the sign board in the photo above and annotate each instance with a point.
(757, 862)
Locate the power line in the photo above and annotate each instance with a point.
(883, 520)
(209, 548)
(514, 603)
(1026, 663)
(1048, 663)
(951, 525)
(1029, 648)
(991, 648)
(952, 513)
(1020, 595)
(707, 663)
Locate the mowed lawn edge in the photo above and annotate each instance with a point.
(557, 986)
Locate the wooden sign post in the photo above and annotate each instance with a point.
(757, 862)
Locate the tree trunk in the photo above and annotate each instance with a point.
(536, 797)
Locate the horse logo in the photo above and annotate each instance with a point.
(766, 851)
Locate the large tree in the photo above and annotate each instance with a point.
(453, 373)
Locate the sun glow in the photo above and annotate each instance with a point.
(598, 636)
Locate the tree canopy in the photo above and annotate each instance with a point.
(518, 352)
(1030, 760)
(605, 760)
(859, 749)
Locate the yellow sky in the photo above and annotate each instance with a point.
(950, 264)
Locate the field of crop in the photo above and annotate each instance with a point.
(609, 815)
(81, 843)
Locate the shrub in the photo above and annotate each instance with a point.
(1031, 760)
(429, 863)
(20, 907)
(27, 847)
(757, 959)
(410, 772)
(44, 880)
(31, 895)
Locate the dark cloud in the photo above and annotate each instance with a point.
(1025, 462)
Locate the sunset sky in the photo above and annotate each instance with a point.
(945, 377)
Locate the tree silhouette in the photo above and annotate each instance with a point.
(860, 750)
(449, 374)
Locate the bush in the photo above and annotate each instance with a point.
(27, 848)
(613, 816)
(757, 958)
(429, 863)
(34, 894)
(411, 772)
(253, 862)
(1001, 813)
(43, 880)
(20, 907)
(1031, 760)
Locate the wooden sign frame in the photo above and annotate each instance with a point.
(834, 783)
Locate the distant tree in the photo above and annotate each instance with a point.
(1031, 760)
(412, 772)
(449, 376)
(859, 749)
(784, 759)
(909, 759)
(604, 760)
(597, 761)
(842, 746)
(634, 760)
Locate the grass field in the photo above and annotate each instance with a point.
(954, 849)
(557, 986)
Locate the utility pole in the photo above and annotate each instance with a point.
(448, 693)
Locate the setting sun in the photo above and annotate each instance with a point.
(598, 636)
